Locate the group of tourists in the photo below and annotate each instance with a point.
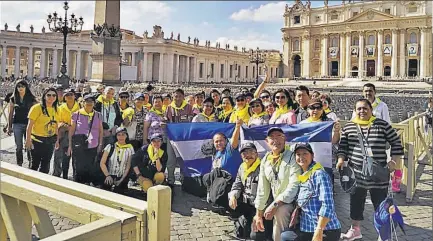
(116, 138)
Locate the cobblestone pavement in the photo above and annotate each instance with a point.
(194, 219)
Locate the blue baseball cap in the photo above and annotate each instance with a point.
(138, 95)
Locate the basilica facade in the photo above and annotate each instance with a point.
(387, 39)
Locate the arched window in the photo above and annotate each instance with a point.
(387, 39)
(317, 44)
(413, 38)
(355, 41)
(296, 45)
(371, 40)
(334, 42)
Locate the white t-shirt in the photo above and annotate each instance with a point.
(117, 162)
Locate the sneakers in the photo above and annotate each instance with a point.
(352, 234)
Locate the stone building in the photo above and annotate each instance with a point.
(389, 39)
(166, 59)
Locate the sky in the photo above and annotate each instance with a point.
(249, 24)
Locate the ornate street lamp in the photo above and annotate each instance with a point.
(257, 57)
(65, 27)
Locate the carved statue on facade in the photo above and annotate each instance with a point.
(189, 39)
(326, 3)
(31, 28)
(343, 2)
(178, 37)
(18, 27)
(6, 26)
(287, 7)
(195, 41)
(162, 34)
(171, 35)
(145, 35)
(236, 48)
(308, 4)
(198, 41)
(156, 32)
(43, 29)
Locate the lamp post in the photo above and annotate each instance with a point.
(257, 57)
(65, 27)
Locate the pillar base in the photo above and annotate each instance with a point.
(105, 69)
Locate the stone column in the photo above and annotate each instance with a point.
(55, 63)
(402, 65)
(176, 68)
(78, 68)
(361, 54)
(348, 55)
(161, 68)
(4, 55)
(324, 70)
(89, 66)
(286, 56)
(43, 63)
(306, 56)
(133, 59)
(342, 53)
(68, 63)
(17, 61)
(30, 66)
(423, 56)
(144, 67)
(187, 69)
(394, 54)
(379, 66)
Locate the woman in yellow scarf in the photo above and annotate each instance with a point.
(241, 109)
(284, 113)
(208, 113)
(109, 108)
(259, 116)
(227, 109)
(326, 101)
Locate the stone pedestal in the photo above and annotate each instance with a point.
(106, 38)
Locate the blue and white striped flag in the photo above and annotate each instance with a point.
(193, 145)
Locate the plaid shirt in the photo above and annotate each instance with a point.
(321, 202)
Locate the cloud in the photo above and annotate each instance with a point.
(270, 12)
(138, 14)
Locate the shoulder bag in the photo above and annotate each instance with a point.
(80, 141)
(295, 217)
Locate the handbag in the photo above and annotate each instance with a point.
(295, 217)
(377, 172)
(81, 140)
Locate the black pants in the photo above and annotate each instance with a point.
(120, 189)
(357, 201)
(85, 164)
(328, 235)
(41, 153)
(249, 211)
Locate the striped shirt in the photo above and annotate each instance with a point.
(380, 133)
(117, 163)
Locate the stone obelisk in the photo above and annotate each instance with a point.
(106, 38)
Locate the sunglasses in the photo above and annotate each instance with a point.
(240, 100)
(282, 97)
(124, 97)
(315, 107)
(255, 106)
(264, 97)
(21, 86)
(51, 95)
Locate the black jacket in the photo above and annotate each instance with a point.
(118, 121)
(218, 182)
(141, 160)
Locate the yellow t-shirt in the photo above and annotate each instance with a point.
(65, 114)
(44, 125)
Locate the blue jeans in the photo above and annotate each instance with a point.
(19, 135)
(289, 236)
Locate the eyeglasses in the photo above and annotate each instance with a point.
(315, 107)
(256, 106)
(264, 97)
(124, 97)
(282, 97)
(240, 100)
(51, 95)
(21, 86)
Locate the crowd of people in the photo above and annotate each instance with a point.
(116, 138)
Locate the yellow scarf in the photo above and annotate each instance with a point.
(209, 118)
(259, 115)
(271, 157)
(224, 114)
(241, 114)
(124, 146)
(148, 106)
(164, 108)
(249, 170)
(160, 113)
(128, 113)
(197, 106)
(173, 105)
(152, 155)
(306, 175)
(376, 102)
(327, 111)
(281, 111)
(105, 102)
(358, 121)
(82, 111)
(75, 107)
(312, 119)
